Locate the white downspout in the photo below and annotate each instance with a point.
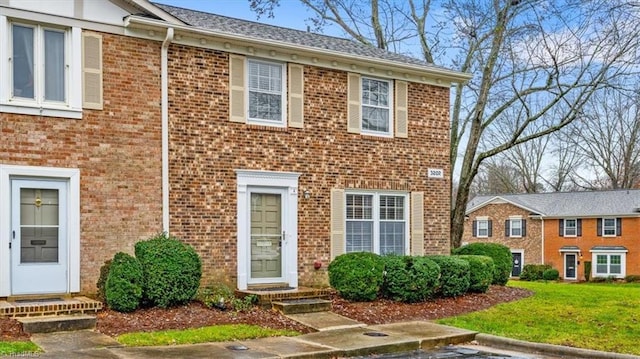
(164, 84)
(542, 239)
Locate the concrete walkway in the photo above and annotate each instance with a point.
(346, 342)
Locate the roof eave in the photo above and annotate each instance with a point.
(441, 76)
(488, 202)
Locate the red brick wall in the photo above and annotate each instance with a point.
(117, 151)
(206, 148)
(590, 239)
(499, 213)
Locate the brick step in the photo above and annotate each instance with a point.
(268, 295)
(49, 306)
(57, 323)
(297, 306)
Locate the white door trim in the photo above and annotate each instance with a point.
(521, 252)
(575, 265)
(270, 179)
(72, 176)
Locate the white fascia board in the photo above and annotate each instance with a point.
(382, 68)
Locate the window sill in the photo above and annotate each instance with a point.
(48, 111)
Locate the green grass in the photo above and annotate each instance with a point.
(9, 348)
(594, 316)
(216, 333)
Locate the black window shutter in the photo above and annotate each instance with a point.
(524, 227)
(579, 225)
(475, 229)
(490, 225)
(618, 226)
(561, 231)
(506, 227)
(599, 226)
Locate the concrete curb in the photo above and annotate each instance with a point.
(547, 349)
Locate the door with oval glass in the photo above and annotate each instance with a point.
(38, 237)
(267, 234)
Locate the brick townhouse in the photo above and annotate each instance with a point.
(267, 149)
(564, 230)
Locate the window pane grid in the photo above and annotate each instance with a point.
(609, 226)
(570, 227)
(265, 91)
(483, 228)
(375, 105)
(376, 222)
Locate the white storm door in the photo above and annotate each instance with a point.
(266, 234)
(39, 237)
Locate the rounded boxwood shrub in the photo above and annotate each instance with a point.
(550, 274)
(454, 275)
(410, 279)
(501, 255)
(123, 287)
(172, 271)
(533, 272)
(357, 276)
(102, 281)
(480, 272)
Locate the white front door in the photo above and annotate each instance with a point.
(267, 234)
(39, 236)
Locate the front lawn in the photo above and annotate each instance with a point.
(594, 316)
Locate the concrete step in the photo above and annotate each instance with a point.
(57, 323)
(296, 306)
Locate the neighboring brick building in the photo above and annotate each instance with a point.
(563, 230)
(250, 142)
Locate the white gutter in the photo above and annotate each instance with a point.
(435, 71)
(542, 235)
(164, 84)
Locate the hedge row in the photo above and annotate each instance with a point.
(366, 276)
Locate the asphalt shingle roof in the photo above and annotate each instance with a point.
(565, 204)
(269, 32)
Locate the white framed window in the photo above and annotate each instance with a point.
(570, 227)
(482, 227)
(609, 227)
(377, 106)
(43, 74)
(266, 95)
(377, 222)
(515, 227)
(610, 264)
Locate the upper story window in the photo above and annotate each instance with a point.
(482, 228)
(609, 227)
(376, 222)
(570, 227)
(515, 227)
(266, 84)
(376, 106)
(39, 63)
(44, 72)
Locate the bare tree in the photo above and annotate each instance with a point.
(496, 177)
(608, 138)
(563, 172)
(529, 58)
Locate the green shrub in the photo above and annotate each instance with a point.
(172, 271)
(357, 276)
(533, 272)
(102, 281)
(217, 295)
(480, 272)
(501, 255)
(551, 274)
(123, 287)
(454, 275)
(587, 270)
(410, 279)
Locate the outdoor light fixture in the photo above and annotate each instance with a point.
(307, 194)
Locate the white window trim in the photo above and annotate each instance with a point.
(283, 95)
(73, 106)
(376, 216)
(73, 218)
(485, 221)
(391, 95)
(609, 253)
(575, 220)
(511, 221)
(615, 227)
